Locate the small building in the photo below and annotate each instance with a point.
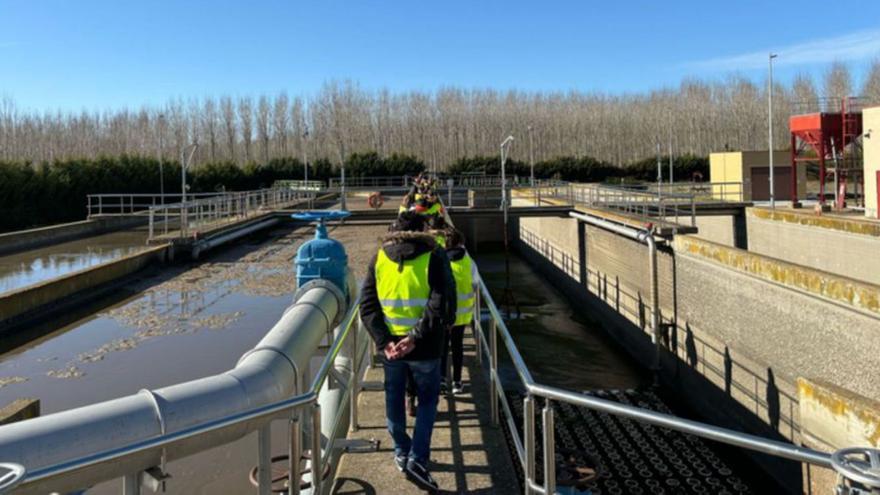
(747, 173)
(871, 154)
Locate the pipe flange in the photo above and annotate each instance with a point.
(859, 464)
(336, 291)
(11, 475)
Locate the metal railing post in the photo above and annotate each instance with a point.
(476, 324)
(355, 374)
(131, 484)
(317, 468)
(529, 441)
(294, 453)
(549, 449)
(493, 370)
(152, 215)
(264, 469)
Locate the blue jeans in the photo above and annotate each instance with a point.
(426, 375)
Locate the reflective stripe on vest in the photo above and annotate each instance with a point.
(464, 281)
(403, 293)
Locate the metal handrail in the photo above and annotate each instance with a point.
(286, 408)
(525, 448)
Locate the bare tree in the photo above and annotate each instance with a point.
(246, 120)
(209, 124)
(263, 111)
(227, 108)
(871, 87)
(281, 122)
(837, 81)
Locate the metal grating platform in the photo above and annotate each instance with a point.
(627, 457)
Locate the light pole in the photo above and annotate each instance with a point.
(770, 125)
(306, 157)
(659, 170)
(161, 167)
(184, 164)
(531, 159)
(505, 150)
(509, 299)
(671, 178)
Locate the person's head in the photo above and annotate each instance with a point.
(454, 238)
(408, 222)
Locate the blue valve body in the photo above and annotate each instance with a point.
(322, 257)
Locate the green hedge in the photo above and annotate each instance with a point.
(49, 193)
(587, 169)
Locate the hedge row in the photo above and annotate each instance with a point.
(48, 193)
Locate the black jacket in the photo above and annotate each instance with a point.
(440, 312)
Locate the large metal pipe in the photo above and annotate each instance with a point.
(265, 374)
(645, 237)
(207, 244)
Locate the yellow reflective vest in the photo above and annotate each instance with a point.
(434, 209)
(403, 291)
(464, 287)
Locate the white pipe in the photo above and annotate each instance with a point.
(265, 374)
(645, 237)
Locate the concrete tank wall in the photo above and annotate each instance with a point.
(844, 246)
(25, 302)
(742, 328)
(11, 242)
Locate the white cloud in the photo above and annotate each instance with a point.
(854, 46)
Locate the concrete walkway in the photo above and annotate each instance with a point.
(468, 455)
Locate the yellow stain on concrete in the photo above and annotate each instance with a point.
(838, 416)
(860, 295)
(831, 222)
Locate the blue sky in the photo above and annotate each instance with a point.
(107, 54)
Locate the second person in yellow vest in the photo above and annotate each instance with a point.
(466, 277)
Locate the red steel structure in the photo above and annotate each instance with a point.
(829, 135)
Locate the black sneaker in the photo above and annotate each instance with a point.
(400, 461)
(444, 387)
(419, 474)
(457, 388)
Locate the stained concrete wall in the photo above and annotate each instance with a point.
(27, 301)
(21, 240)
(720, 229)
(844, 246)
(742, 328)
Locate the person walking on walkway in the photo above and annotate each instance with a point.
(464, 271)
(405, 307)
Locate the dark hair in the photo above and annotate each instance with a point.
(436, 222)
(408, 221)
(454, 238)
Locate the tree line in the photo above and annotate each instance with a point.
(438, 127)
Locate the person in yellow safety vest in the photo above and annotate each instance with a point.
(466, 276)
(407, 301)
